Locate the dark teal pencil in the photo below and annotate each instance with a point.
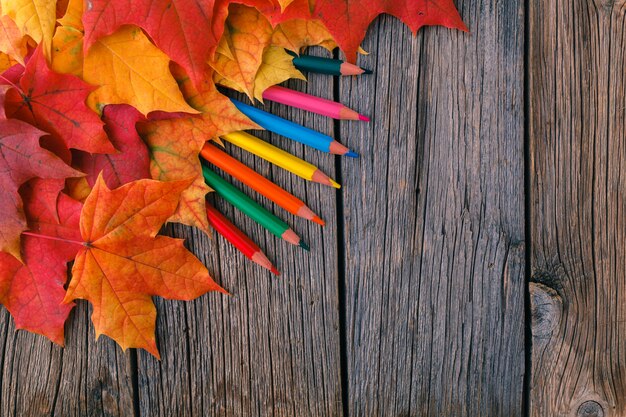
(327, 66)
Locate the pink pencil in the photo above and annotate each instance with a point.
(311, 103)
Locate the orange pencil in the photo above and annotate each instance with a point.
(238, 239)
(258, 183)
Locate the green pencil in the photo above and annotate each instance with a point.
(328, 66)
(249, 207)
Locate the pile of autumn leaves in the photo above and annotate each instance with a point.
(104, 108)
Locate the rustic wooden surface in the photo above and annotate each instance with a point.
(434, 221)
(473, 264)
(577, 134)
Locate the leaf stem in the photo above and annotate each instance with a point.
(9, 82)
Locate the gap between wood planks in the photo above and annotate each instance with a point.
(527, 221)
(341, 262)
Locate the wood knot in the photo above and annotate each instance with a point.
(610, 6)
(590, 409)
(546, 307)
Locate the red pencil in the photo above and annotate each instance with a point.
(238, 239)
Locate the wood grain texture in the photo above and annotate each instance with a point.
(86, 378)
(272, 349)
(432, 277)
(434, 219)
(577, 135)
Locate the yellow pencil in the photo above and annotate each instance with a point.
(279, 158)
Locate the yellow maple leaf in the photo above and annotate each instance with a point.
(277, 67)
(67, 51)
(130, 69)
(246, 35)
(73, 15)
(35, 18)
(299, 33)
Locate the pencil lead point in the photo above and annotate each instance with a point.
(319, 221)
(305, 246)
(366, 71)
(275, 271)
(352, 154)
(364, 118)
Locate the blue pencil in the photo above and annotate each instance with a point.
(293, 131)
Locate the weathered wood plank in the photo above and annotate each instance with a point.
(84, 378)
(434, 215)
(273, 347)
(577, 135)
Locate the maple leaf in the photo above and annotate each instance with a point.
(175, 143)
(6, 62)
(132, 162)
(56, 104)
(219, 115)
(277, 66)
(12, 42)
(246, 35)
(77, 188)
(124, 262)
(35, 18)
(61, 7)
(12, 74)
(67, 51)
(284, 3)
(296, 34)
(33, 291)
(21, 158)
(67, 43)
(183, 29)
(73, 15)
(348, 20)
(174, 149)
(130, 69)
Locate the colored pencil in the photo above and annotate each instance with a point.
(250, 208)
(279, 158)
(311, 103)
(327, 66)
(258, 183)
(293, 131)
(238, 238)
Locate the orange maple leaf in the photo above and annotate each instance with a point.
(175, 143)
(123, 262)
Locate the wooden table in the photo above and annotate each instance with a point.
(473, 263)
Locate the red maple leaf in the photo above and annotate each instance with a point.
(180, 28)
(21, 158)
(33, 291)
(56, 104)
(348, 20)
(132, 162)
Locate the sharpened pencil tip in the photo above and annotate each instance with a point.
(305, 246)
(364, 118)
(366, 71)
(352, 154)
(319, 221)
(275, 271)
